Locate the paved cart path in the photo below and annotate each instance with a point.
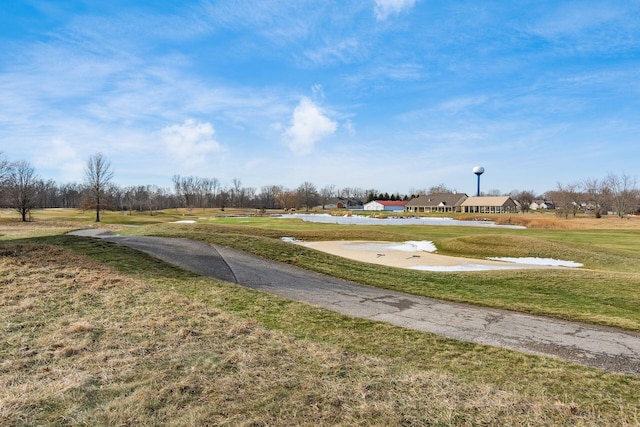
(608, 348)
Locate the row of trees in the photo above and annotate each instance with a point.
(23, 190)
(614, 193)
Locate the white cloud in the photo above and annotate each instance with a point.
(308, 126)
(190, 141)
(384, 8)
(61, 155)
(342, 51)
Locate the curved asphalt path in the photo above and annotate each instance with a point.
(607, 348)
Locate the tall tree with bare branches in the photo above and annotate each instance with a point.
(5, 167)
(22, 188)
(623, 192)
(98, 174)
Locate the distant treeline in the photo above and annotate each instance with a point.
(22, 189)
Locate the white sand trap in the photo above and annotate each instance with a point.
(412, 255)
(185, 221)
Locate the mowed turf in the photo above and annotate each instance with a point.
(605, 291)
(96, 334)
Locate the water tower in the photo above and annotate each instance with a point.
(478, 170)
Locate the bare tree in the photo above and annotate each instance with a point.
(22, 188)
(623, 192)
(288, 199)
(440, 188)
(185, 188)
(597, 193)
(327, 193)
(129, 199)
(70, 195)
(5, 168)
(308, 195)
(565, 199)
(98, 174)
(223, 198)
(153, 193)
(209, 189)
(525, 198)
(269, 196)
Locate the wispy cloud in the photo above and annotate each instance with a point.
(309, 125)
(190, 142)
(589, 27)
(61, 155)
(384, 8)
(344, 51)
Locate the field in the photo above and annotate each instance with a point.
(95, 334)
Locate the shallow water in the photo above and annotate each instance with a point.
(360, 220)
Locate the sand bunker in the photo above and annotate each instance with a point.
(419, 256)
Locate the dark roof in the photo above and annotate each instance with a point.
(438, 199)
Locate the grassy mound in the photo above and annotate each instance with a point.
(113, 337)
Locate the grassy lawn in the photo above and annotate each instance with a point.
(96, 334)
(606, 291)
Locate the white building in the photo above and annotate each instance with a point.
(385, 205)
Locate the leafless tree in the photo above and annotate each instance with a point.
(129, 199)
(185, 188)
(98, 174)
(346, 192)
(269, 196)
(327, 193)
(153, 193)
(622, 191)
(223, 198)
(5, 168)
(566, 200)
(70, 195)
(209, 189)
(525, 198)
(440, 188)
(47, 194)
(307, 195)
(598, 194)
(288, 199)
(22, 188)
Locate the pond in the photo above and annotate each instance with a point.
(363, 220)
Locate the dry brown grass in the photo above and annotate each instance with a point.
(83, 344)
(11, 228)
(554, 222)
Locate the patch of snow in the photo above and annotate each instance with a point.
(415, 246)
(185, 221)
(410, 246)
(538, 261)
(290, 240)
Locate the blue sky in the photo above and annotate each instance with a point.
(395, 95)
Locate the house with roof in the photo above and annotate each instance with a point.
(385, 205)
(489, 205)
(341, 203)
(541, 204)
(439, 202)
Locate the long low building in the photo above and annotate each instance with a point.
(438, 202)
(489, 205)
